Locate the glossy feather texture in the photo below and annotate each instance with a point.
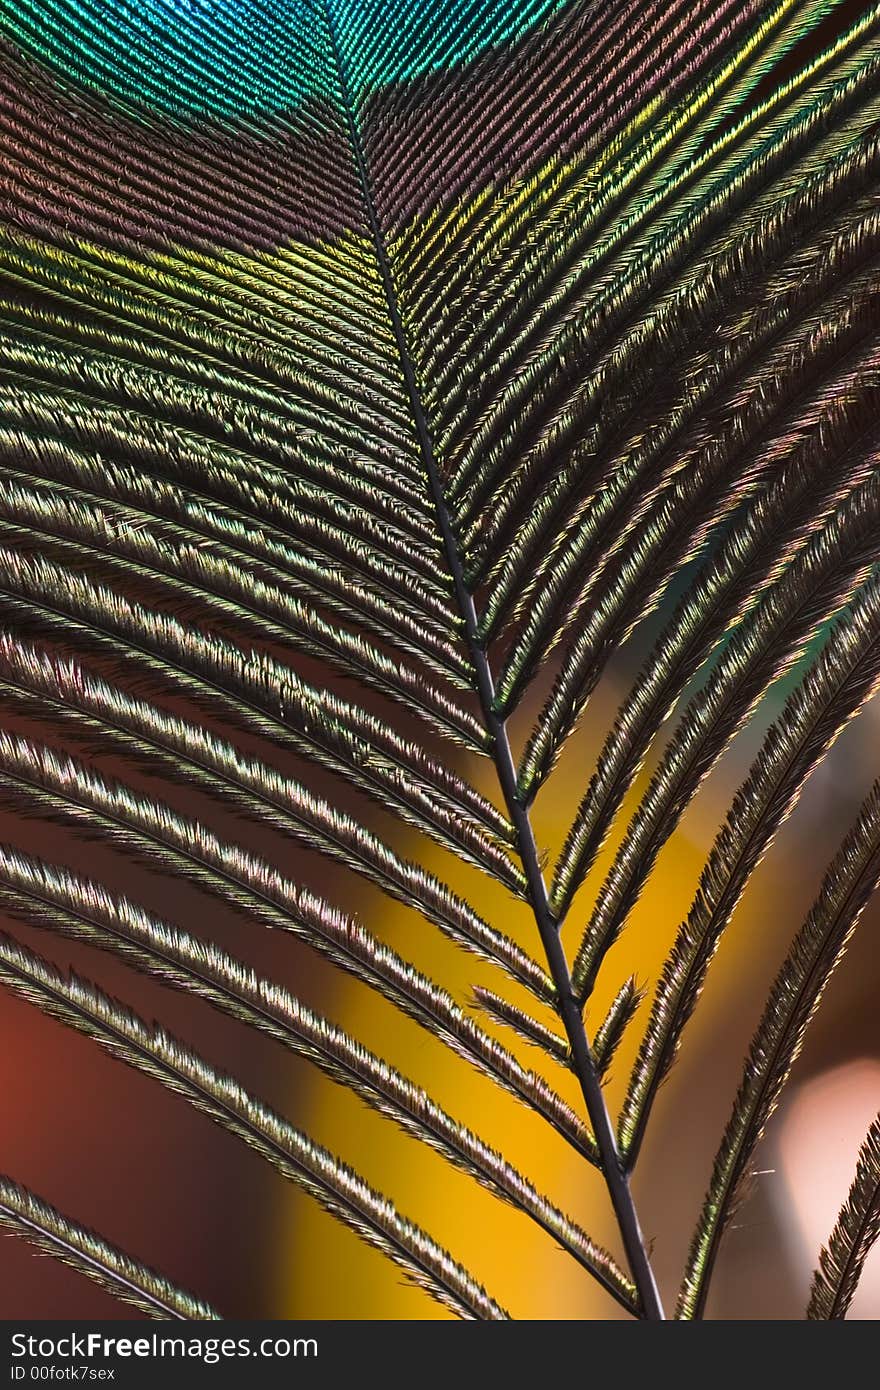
(858, 1226)
(371, 376)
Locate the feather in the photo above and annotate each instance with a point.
(51, 896)
(362, 369)
(550, 416)
(197, 853)
(27, 1215)
(131, 548)
(858, 1226)
(558, 240)
(609, 1035)
(349, 595)
(840, 680)
(751, 556)
(793, 1000)
(80, 1005)
(526, 1027)
(250, 785)
(68, 683)
(535, 236)
(261, 694)
(270, 899)
(294, 515)
(664, 529)
(822, 578)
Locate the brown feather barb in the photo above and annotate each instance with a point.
(858, 1226)
(26, 1214)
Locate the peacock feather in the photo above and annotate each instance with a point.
(437, 443)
